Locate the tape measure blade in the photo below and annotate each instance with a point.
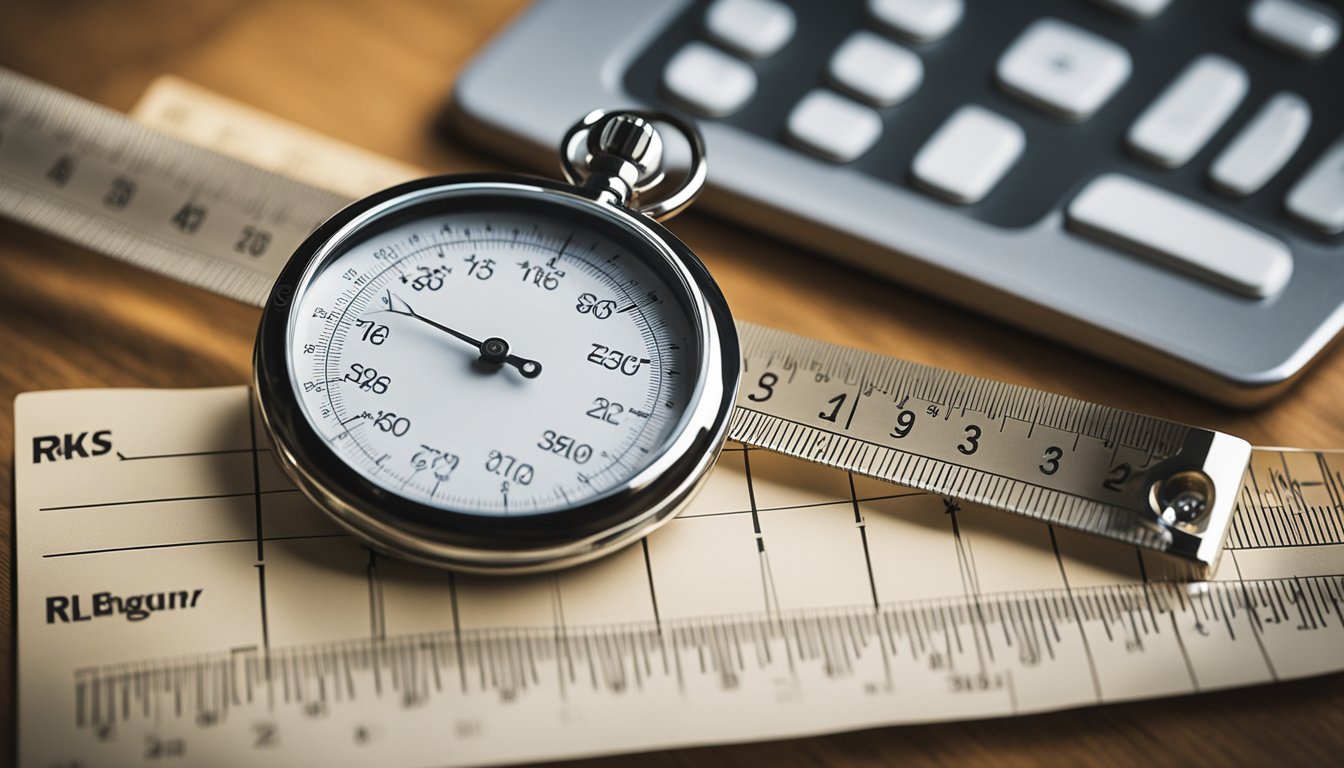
(91, 175)
(1049, 457)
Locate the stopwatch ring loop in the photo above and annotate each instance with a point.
(658, 208)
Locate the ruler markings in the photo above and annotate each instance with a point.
(207, 542)
(1073, 605)
(165, 500)
(252, 416)
(1249, 607)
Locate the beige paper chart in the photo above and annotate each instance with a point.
(177, 597)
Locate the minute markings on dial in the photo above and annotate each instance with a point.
(336, 345)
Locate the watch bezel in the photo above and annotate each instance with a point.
(470, 541)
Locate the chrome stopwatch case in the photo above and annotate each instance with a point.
(502, 373)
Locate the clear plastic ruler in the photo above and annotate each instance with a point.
(182, 598)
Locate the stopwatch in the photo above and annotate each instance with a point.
(503, 373)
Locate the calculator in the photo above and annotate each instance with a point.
(1157, 182)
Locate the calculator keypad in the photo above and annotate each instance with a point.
(753, 28)
(968, 154)
(708, 80)
(1008, 115)
(1135, 9)
(1262, 148)
(1304, 30)
(876, 69)
(1318, 198)
(922, 21)
(1181, 121)
(1064, 68)
(834, 127)
(1154, 223)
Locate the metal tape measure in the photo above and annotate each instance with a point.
(505, 373)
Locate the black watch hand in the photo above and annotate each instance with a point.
(494, 350)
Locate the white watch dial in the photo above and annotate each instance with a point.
(396, 359)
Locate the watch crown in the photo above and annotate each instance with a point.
(626, 153)
(630, 138)
(618, 158)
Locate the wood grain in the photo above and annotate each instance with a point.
(376, 74)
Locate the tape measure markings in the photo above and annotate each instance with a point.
(922, 427)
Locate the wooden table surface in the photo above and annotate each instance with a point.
(375, 74)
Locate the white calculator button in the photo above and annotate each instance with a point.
(920, 20)
(756, 28)
(1318, 198)
(1191, 109)
(708, 80)
(1309, 31)
(1135, 9)
(1263, 146)
(1161, 225)
(1064, 68)
(834, 127)
(968, 154)
(876, 69)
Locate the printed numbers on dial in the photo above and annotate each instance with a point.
(615, 360)
(441, 463)
(509, 467)
(374, 333)
(481, 269)
(545, 276)
(564, 445)
(426, 278)
(606, 411)
(367, 379)
(598, 308)
(391, 422)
